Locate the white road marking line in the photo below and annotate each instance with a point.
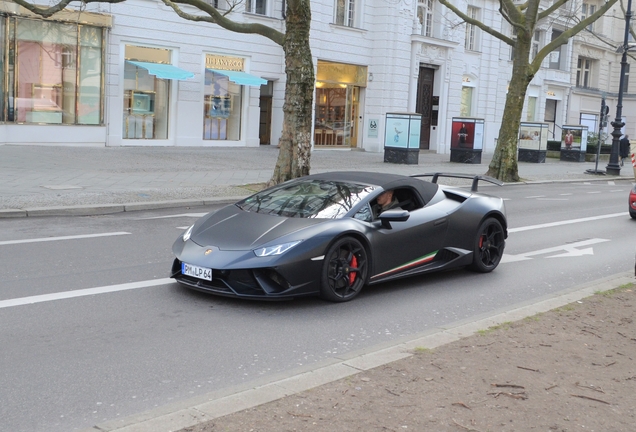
(183, 228)
(566, 194)
(552, 199)
(194, 215)
(618, 190)
(81, 293)
(611, 183)
(594, 192)
(535, 196)
(75, 237)
(566, 222)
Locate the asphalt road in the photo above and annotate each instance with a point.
(128, 346)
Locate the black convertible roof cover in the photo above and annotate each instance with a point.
(386, 181)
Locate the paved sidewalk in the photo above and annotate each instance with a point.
(43, 180)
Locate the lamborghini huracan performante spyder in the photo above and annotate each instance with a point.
(323, 235)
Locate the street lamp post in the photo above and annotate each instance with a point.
(612, 167)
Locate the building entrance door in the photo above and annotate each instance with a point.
(550, 118)
(265, 122)
(424, 104)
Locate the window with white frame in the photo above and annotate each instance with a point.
(466, 102)
(532, 108)
(346, 13)
(254, 6)
(536, 39)
(588, 9)
(583, 72)
(471, 43)
(557, 57)
(425, 16)
(218, 4)
(589, 120)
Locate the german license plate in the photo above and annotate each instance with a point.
(196, 271)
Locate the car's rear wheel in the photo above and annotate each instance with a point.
(489, 246)
(632, 214)
(344, 271)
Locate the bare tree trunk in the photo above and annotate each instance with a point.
(504, 162)
(295, 142)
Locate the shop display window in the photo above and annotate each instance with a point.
(49, 64)
(146, 102)
(336, 111)
(221, 108)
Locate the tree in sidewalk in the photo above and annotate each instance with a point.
(295, 142)
(524, 18)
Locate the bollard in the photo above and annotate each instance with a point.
(632, 151)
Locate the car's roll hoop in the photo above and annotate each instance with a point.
(474, 178)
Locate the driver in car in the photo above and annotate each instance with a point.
(385, 201)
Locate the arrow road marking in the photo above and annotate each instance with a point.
(570, 251)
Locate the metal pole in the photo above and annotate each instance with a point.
(612, 167)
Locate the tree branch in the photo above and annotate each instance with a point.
(563, 37)
(212, 16)
(478, 23)
(556, 5)
(47, 12)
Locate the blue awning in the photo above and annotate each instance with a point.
(164, 71)
(241, 78)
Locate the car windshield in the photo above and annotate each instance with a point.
(321, 199)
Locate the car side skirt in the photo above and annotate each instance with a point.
(439, 260)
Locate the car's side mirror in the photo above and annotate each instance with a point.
(393, 216)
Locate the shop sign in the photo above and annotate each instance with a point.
(224, 63)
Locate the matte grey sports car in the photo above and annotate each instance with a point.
(323, 235)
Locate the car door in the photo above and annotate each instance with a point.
(409, 244)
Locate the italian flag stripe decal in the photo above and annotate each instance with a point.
(416, 262)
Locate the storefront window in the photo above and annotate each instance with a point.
(221, 108)
(146, 96)
(3, 67)
(48, 70)
(336, 108)
(338, 88)
(90, 73)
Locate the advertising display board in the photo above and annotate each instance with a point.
(402, 138)
(533, 142)
(573, 143)
(467, 140)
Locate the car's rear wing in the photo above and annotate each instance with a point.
(474, 178)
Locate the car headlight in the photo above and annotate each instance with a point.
(187, 234)
(275, 250)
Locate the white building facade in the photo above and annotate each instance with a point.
(135, 74)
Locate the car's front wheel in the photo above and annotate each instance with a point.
(489, 246)
(344, 271)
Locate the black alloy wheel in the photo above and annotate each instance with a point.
(489, 246)
(344, 271)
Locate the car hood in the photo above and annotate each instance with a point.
(234, 229)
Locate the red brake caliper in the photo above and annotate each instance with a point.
(353, 264)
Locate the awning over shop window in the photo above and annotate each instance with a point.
(164, 71)
(241, 78)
